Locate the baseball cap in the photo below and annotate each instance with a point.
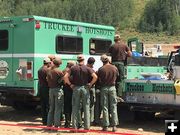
(80, 57)
(51, 57)
(71, 63)
(46, 60)
(117, 37)
(104, 58)
(57, 61)
(91, 60)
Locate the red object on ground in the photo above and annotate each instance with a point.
(67, 129)
(176, 46)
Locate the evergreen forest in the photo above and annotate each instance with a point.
(150, 20)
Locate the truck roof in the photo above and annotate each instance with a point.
(40, 18)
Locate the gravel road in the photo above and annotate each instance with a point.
(32, 118)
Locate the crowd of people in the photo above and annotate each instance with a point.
(79, 91)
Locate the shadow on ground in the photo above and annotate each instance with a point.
(10, 114)
(32, 118)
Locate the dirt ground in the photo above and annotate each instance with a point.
(32, 118)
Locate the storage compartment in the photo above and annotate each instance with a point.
(177, 86)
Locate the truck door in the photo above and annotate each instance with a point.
(136, 46)
(6, 53)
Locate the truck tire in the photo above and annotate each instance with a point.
(140, 115)
(20, 106)
(177, 115)
(125, 114)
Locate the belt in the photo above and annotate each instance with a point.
(108, 85)
(79, 85)
(118, 61)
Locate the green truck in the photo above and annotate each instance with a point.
(26, 40)
(151, 84)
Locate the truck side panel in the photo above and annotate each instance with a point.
(6, 48)
(33, 38)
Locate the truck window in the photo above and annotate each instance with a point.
(3, 40)
(66, 44)
(99, 46)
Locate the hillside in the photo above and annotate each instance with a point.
(147, 38)
(125, 15)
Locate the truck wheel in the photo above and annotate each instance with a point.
(139, 115)
(177, 115)
(125, 114)
(22, 106)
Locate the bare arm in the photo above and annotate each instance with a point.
(66, 79)
(129, 53)
(94, 78)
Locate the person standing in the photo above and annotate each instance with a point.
(119, 52)
(51, 57)
(56, 95)
(80, 84)
(44, 89)
(97, 104)
(68, 96)
(107, 75)
(90, 63)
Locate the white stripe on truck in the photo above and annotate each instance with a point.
(30, 55)
(97, 64)
(5, 55)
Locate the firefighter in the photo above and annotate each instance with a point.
(80, 77)
(90, 63)
(97, 104)
(68, 96)
(56, 94)
(107, 75)
(44, 89)
(51, 57)
(119, 52)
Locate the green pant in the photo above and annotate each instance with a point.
(97, 107)
(109, 104)
(56, 102)
(92, 101)
(80, 93)
(120, 78)
(44, 99)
